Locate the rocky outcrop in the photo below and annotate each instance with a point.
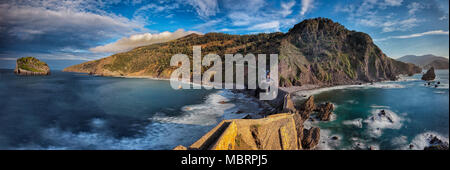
(429, 75)
(324, 111)
(437, 144)
(31, 66)
(322, 52)
(314, 52)
(307, 107)
(311, 138)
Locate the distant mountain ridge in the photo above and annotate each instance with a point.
(316, 51)
(426, 61)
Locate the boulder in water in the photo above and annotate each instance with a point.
(311, 138)
(429, 75)
(324, 111)
(436, 144)
(307, 107)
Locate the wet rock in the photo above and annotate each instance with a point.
(437, 144)
(222, 102)
(383, 114)
(311, 138)
(429, 75)
(324, 111)
(307, 107)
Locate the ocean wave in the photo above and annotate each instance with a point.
(379, 121)
(384, 85)
(423, 140)
(363, 144)
(356, 122)
(207, 113)
(162, 131)
(328, 141)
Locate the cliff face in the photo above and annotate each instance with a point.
(320, 51)
(316, 51)
(31, 66)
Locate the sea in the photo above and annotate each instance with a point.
(74, 111)
(417, 113)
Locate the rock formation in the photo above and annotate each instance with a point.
(437, 144)
(324, 111)
(429, 75)
(31, 66)
(307, 107)
(311, 138)
(316, 51)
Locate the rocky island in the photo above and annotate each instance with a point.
(429, 75)
(31, 66)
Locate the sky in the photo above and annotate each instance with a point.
(63, 32)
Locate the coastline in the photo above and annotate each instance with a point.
(326, 141)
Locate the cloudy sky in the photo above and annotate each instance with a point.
(70, 32)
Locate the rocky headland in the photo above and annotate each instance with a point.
(31, 66)
(314, 53)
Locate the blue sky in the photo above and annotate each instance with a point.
(69, 32)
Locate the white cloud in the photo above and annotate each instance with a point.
(205, 8)
(246, 6)
(286, 8)
(128, 43)
(393, 2)
(273, 25)
(258, 15)
(399, 25)
(208, 25)
(414, 7)
(368, 14)
(436, 32)
(306, 5)
(52, 19)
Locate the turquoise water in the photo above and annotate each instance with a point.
(417, 110)
(79, 111)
